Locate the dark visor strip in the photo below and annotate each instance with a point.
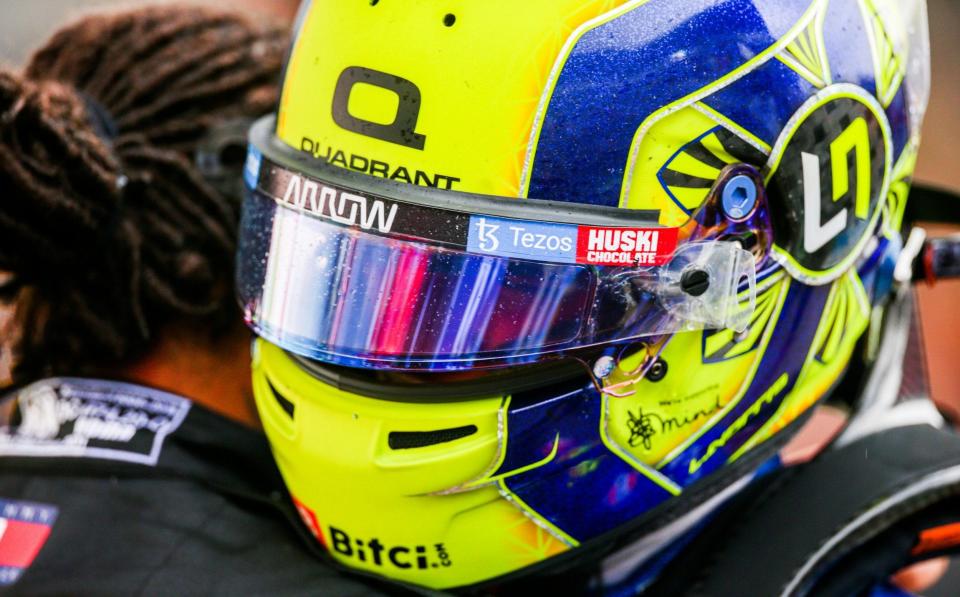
(472, 232)
(357, 209)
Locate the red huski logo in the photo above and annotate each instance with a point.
(626, 246)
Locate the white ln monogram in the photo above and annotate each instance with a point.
(816, 233)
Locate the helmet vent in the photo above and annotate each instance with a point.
(406, 440)
(287, 406)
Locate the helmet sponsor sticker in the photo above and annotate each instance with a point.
(81, 418)
(375, 552)
(331, 203)
(375, 167)
(24, 529)
(309, 520)
(568, 243)
(484, 234)
(516, 238)
(365, 211)
(626, 246)
(403, 129)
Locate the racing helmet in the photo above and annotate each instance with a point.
(535, 280)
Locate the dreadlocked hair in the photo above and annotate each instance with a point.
(104, 213)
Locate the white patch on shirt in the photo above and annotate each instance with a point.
(85, 418)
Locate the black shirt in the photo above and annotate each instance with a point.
(127, 490)
(115, 489)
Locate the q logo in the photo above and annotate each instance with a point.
(403, 129)
(829, 171)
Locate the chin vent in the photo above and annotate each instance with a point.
(287, 406)
(406, 440)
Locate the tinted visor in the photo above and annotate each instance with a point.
(353, 277)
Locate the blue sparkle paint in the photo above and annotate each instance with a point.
(583, 506)
(623, 71)
(848, 47)
(899, 115)
(763, 101)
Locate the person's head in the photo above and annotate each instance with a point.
(119, 142)
(728, 181)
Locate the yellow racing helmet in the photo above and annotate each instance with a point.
(534, 280)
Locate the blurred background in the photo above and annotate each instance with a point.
(26, 23)
(940, 167)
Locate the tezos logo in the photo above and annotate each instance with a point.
(828, 181)
(506, 237)
(398, 556)
(489, 242)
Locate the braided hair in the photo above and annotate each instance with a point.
(106, 217)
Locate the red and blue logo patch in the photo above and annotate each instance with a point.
(24, 529)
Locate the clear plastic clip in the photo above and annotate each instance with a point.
(710, 285)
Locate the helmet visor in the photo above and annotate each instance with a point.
(340, 274)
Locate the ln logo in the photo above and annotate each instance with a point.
(828, 176)
(855, 139)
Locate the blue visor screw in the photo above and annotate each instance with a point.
(739, 197)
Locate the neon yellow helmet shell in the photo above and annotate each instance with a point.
(637, 105)
(445, 511)
(369, 493)
(482, 82)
